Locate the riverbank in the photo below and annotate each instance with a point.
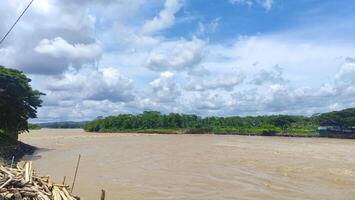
(253, 132)
(16, 149)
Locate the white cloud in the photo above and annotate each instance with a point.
(224, 82)
(346, 73)
(273, 75)
(73, 24)
(165, 19)
(171, 73)
(176, 55)
(165, 88)
(59, 48)
(267, 4)
(316, 59)
(93, 84)
(208, 28)
(247, 2)
(130, 37)
(209, 102)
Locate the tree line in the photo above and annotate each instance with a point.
(154, 120)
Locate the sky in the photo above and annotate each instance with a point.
(206, 57)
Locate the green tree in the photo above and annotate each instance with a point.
(344, 118)
(18, 102)
(283, 121)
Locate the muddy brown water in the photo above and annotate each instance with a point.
(145, 167)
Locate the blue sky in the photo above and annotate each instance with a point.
(215, 57)
(241, 19)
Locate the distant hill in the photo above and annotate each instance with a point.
(65, 124)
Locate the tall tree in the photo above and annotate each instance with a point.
(18, 102)
(343, 119)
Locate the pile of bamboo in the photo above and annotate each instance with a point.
(21, 183)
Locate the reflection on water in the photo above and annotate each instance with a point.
(132, 166)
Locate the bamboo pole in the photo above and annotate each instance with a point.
(76, 172)
(12, 161)
(64, 180)
(103, 194)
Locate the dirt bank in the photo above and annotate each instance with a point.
(16, 149)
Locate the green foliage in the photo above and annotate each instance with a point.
(18, 102)
(269, 129)
(153, 121)
(344, 118)
(63, 125)
(282, 121)
(34, 127)
(282, 125)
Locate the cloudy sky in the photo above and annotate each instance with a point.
(207, 57)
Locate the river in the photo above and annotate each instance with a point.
(148, 166)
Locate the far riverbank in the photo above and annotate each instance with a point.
(306, 134)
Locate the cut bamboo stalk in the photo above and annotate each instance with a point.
(27, 174)
(67, 193)
(30, 172)
(103, 194)
(55, 194)
(64, 180)
(7, 182)
(12, 161)
(76, 172)
(21, 183)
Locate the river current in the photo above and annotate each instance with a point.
(194, 167)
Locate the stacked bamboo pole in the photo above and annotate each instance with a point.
(22, 183)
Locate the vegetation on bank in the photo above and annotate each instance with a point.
(34, 127)
(63, 125)
(343, 119)
(155, 122)
(281, 125)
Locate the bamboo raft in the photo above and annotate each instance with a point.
(22, 183)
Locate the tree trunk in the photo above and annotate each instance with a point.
(11, 135)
